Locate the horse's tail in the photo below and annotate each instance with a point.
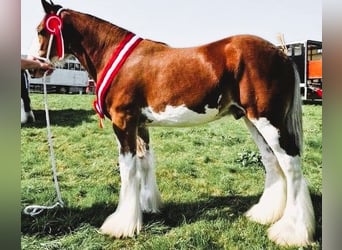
(294, 114)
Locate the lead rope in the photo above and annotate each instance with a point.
(37, 209)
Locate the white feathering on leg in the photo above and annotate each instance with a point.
(272, 202)
(297, 225)
(150, 199)
(127, 219)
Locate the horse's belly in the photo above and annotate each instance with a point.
(179, 116)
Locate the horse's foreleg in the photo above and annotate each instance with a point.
(127, 219)
(272, 202)
(150, 199)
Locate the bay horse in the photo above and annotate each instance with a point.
(143, 83)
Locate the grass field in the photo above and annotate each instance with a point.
(208, 177)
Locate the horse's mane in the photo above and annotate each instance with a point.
(107, 31)
(100, 33)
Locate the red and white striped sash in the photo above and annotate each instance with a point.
(118, 58)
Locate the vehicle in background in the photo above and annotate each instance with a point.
(69, 77)
(308, 57)
(91, 86)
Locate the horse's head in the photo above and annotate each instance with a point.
(50, 35)
(64, 32)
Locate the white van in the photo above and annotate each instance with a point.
(70, 77)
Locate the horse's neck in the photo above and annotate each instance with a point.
(98, 41)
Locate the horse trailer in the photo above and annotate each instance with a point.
(308, 57)
(68, 77)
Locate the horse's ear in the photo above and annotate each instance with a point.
(48, 8)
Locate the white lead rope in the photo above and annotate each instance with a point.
(37, 209)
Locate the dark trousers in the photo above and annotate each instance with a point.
(24, 91)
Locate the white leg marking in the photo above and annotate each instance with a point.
(150, 200)
(272, 202)
(127, 219)
(297, 225)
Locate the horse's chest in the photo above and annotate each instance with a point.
(178, 116)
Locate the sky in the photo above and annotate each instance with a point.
(186, 23)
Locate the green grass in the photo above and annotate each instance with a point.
(208, 177)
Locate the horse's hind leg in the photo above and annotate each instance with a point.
(272, 202)
(150, 200)
(297, 225)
